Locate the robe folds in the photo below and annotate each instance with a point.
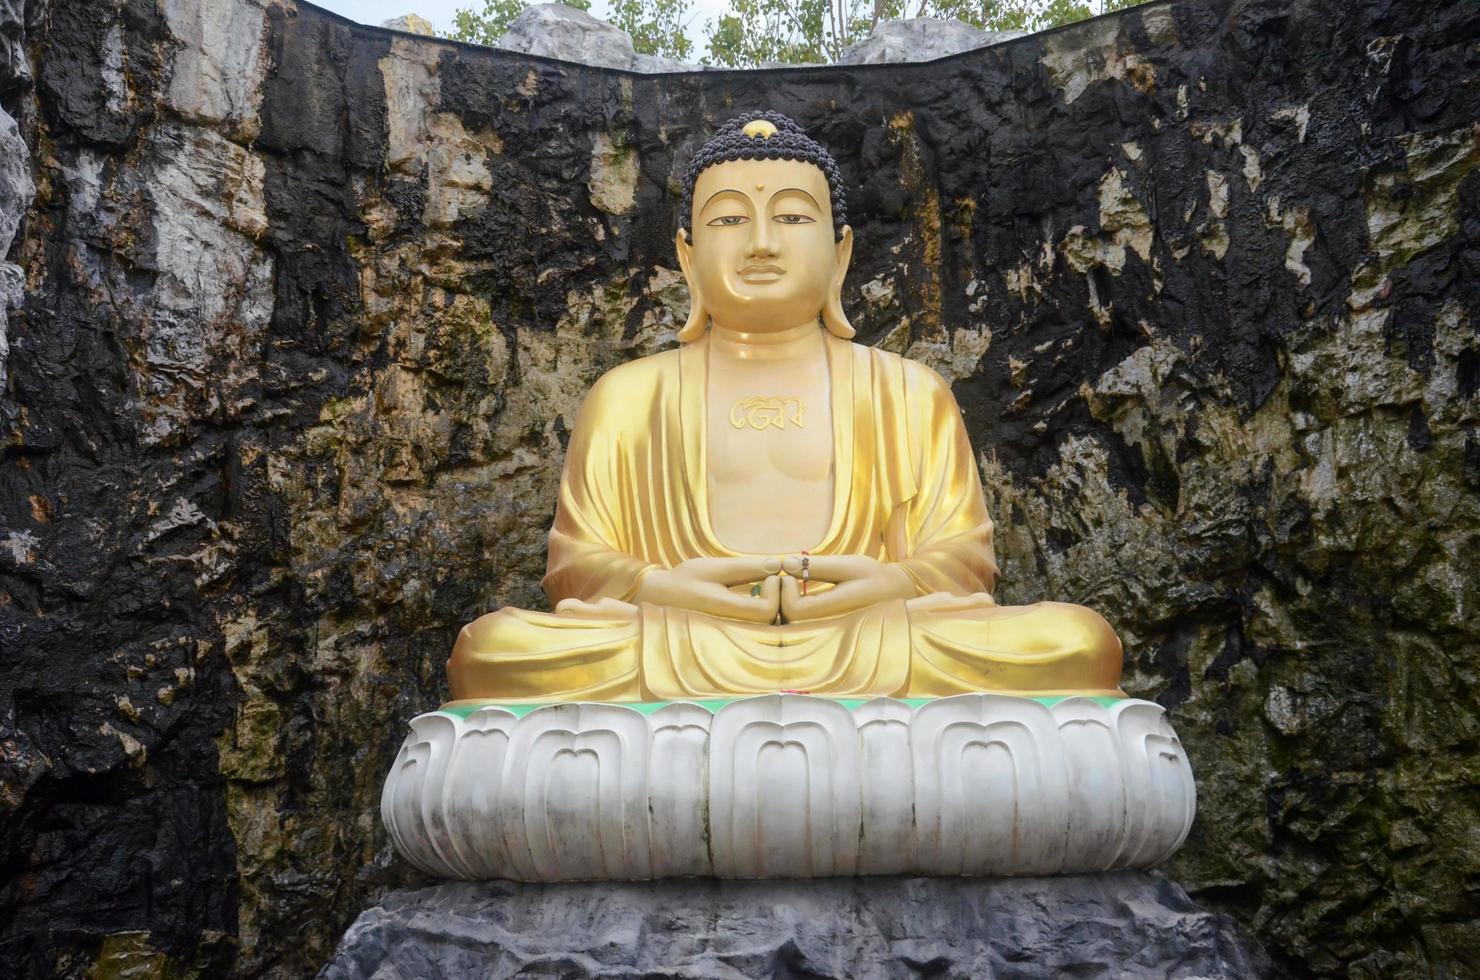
(633, 496)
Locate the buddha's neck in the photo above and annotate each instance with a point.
(791, 343)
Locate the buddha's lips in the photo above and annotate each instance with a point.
(761, 271)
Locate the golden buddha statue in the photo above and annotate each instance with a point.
(772, 507)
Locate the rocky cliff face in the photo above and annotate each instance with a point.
(308, 308)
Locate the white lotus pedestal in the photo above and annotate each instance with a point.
(788, 786)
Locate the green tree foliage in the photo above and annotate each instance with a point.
(793, 31)
(757, 31)
(1021, 15)
(497, 15)
(656, 26)
(753, 32)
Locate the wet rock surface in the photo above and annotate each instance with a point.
(16, 191)
(16, 187)
(881, 927)
(307, 316)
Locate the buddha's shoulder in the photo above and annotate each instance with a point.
(916, 375)
(637, 377)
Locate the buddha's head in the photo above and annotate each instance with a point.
(765, 242)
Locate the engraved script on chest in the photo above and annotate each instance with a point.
(759, 412)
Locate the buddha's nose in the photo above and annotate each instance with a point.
(762, 244)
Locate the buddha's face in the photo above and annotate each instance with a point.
(763, 255)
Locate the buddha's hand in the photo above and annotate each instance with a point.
(702, 584)
(859, 582)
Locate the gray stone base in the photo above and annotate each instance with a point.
(1122, 924)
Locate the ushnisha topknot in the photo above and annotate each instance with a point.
(747, 138)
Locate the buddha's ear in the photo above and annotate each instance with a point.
(833, 316)
(698, 319)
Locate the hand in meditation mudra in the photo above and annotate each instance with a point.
(771, 506)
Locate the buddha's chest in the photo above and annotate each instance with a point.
(769, 436)
(769, 459)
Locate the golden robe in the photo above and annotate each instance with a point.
(633, 496)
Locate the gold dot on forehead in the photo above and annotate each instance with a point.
(760, 187)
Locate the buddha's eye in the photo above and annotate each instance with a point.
(726, 220)
(794, 219)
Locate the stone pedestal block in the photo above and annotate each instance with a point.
(1119, 924)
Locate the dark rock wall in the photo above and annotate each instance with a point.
(309, 306)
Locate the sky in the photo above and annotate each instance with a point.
(440, 12)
